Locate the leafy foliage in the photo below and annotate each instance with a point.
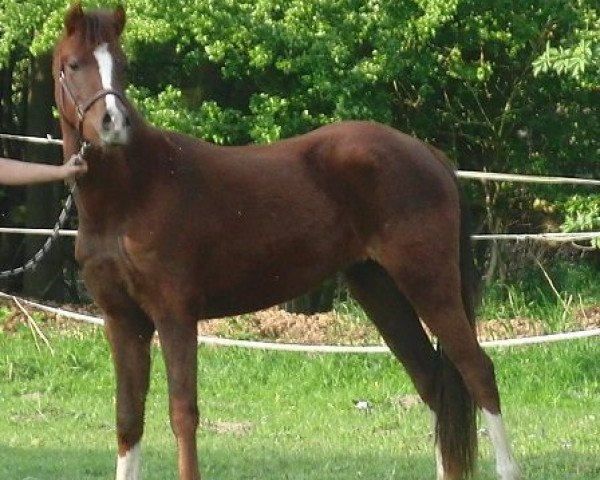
(456, 73)
(510, 88)
(577, 54)
(167, 110)
(582, 213)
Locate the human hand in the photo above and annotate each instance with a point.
(74, 167)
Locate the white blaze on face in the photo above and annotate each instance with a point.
(128, 466)
(105, 66)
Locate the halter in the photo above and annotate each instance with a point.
(83, 108)
(34, 261)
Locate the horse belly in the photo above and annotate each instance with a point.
(253, 282)
(259, 294)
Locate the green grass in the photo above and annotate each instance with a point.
(274, 416)
(553, 298)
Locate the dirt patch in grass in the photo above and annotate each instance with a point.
(331, 328)
(228, 427)
(277, 325)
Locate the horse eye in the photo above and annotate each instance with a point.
(74, 66)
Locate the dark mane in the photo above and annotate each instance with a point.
(96, 27)
(99, 28)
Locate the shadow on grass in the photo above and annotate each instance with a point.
(561, 465)
(268, 464)
(40, 463)
(83, 464)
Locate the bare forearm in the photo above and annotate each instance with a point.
(14, 172)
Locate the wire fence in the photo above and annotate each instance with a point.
(466, 174)
(513, 177)
(48, 140)
(307, 348)
(548, 237)
(209, 340)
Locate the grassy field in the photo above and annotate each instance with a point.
(268, 415)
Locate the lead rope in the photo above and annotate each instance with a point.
(34, 261)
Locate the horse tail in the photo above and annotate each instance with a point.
(456, 427)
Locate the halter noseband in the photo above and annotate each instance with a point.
(82, 109)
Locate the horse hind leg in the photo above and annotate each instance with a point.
(397, 323)
(400, 327)
(433, 282)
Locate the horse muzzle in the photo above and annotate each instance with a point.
(115, 124)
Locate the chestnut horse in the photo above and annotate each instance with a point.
(173, 230)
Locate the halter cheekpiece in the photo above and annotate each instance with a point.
(84, 107)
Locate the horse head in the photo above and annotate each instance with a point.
(88, 69)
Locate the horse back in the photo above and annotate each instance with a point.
(225, 230)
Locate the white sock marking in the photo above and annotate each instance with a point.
(128, 466)
(439, 464)
(505, 464)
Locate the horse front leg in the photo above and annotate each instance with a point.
(129, 333)
(179, 346)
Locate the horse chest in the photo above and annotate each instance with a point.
(105, 264)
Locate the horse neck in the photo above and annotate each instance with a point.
(109, 189)
(71, 141)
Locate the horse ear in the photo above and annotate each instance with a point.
(120, 18)
(74, 18)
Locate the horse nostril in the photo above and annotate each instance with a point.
(106, 120)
